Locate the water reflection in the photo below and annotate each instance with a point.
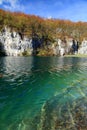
(17, 66)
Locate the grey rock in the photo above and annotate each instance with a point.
(13, 45)
(83, 47)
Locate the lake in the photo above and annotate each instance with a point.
(26, 83)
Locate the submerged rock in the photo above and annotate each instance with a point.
(66, 111)
(68, 115)
(1, 75)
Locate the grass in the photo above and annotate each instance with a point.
(76, 55)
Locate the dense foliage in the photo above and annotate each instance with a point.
(46, 29)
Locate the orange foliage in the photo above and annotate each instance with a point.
(50, 29)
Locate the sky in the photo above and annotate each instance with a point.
(74, 10)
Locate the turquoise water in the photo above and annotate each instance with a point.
(26, 83)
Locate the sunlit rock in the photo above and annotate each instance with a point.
(63, 47)
(83, 47)
(12, 43)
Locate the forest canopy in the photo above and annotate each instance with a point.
(49, 29)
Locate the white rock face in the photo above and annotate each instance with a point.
(13, 45)
(62, 48)
(83, 47)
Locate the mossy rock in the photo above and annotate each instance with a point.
(65, 111)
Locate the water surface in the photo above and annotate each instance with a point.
(26, 83)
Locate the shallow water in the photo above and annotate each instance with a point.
(26, 83)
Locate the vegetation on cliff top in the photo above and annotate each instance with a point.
(46, 29)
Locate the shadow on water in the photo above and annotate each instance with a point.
(28, 82)
(2, 53)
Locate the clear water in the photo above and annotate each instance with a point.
(26, 83)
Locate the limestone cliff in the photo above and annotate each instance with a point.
(11, 43)
(83, 47)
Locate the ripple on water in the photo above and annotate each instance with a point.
(29, 82)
